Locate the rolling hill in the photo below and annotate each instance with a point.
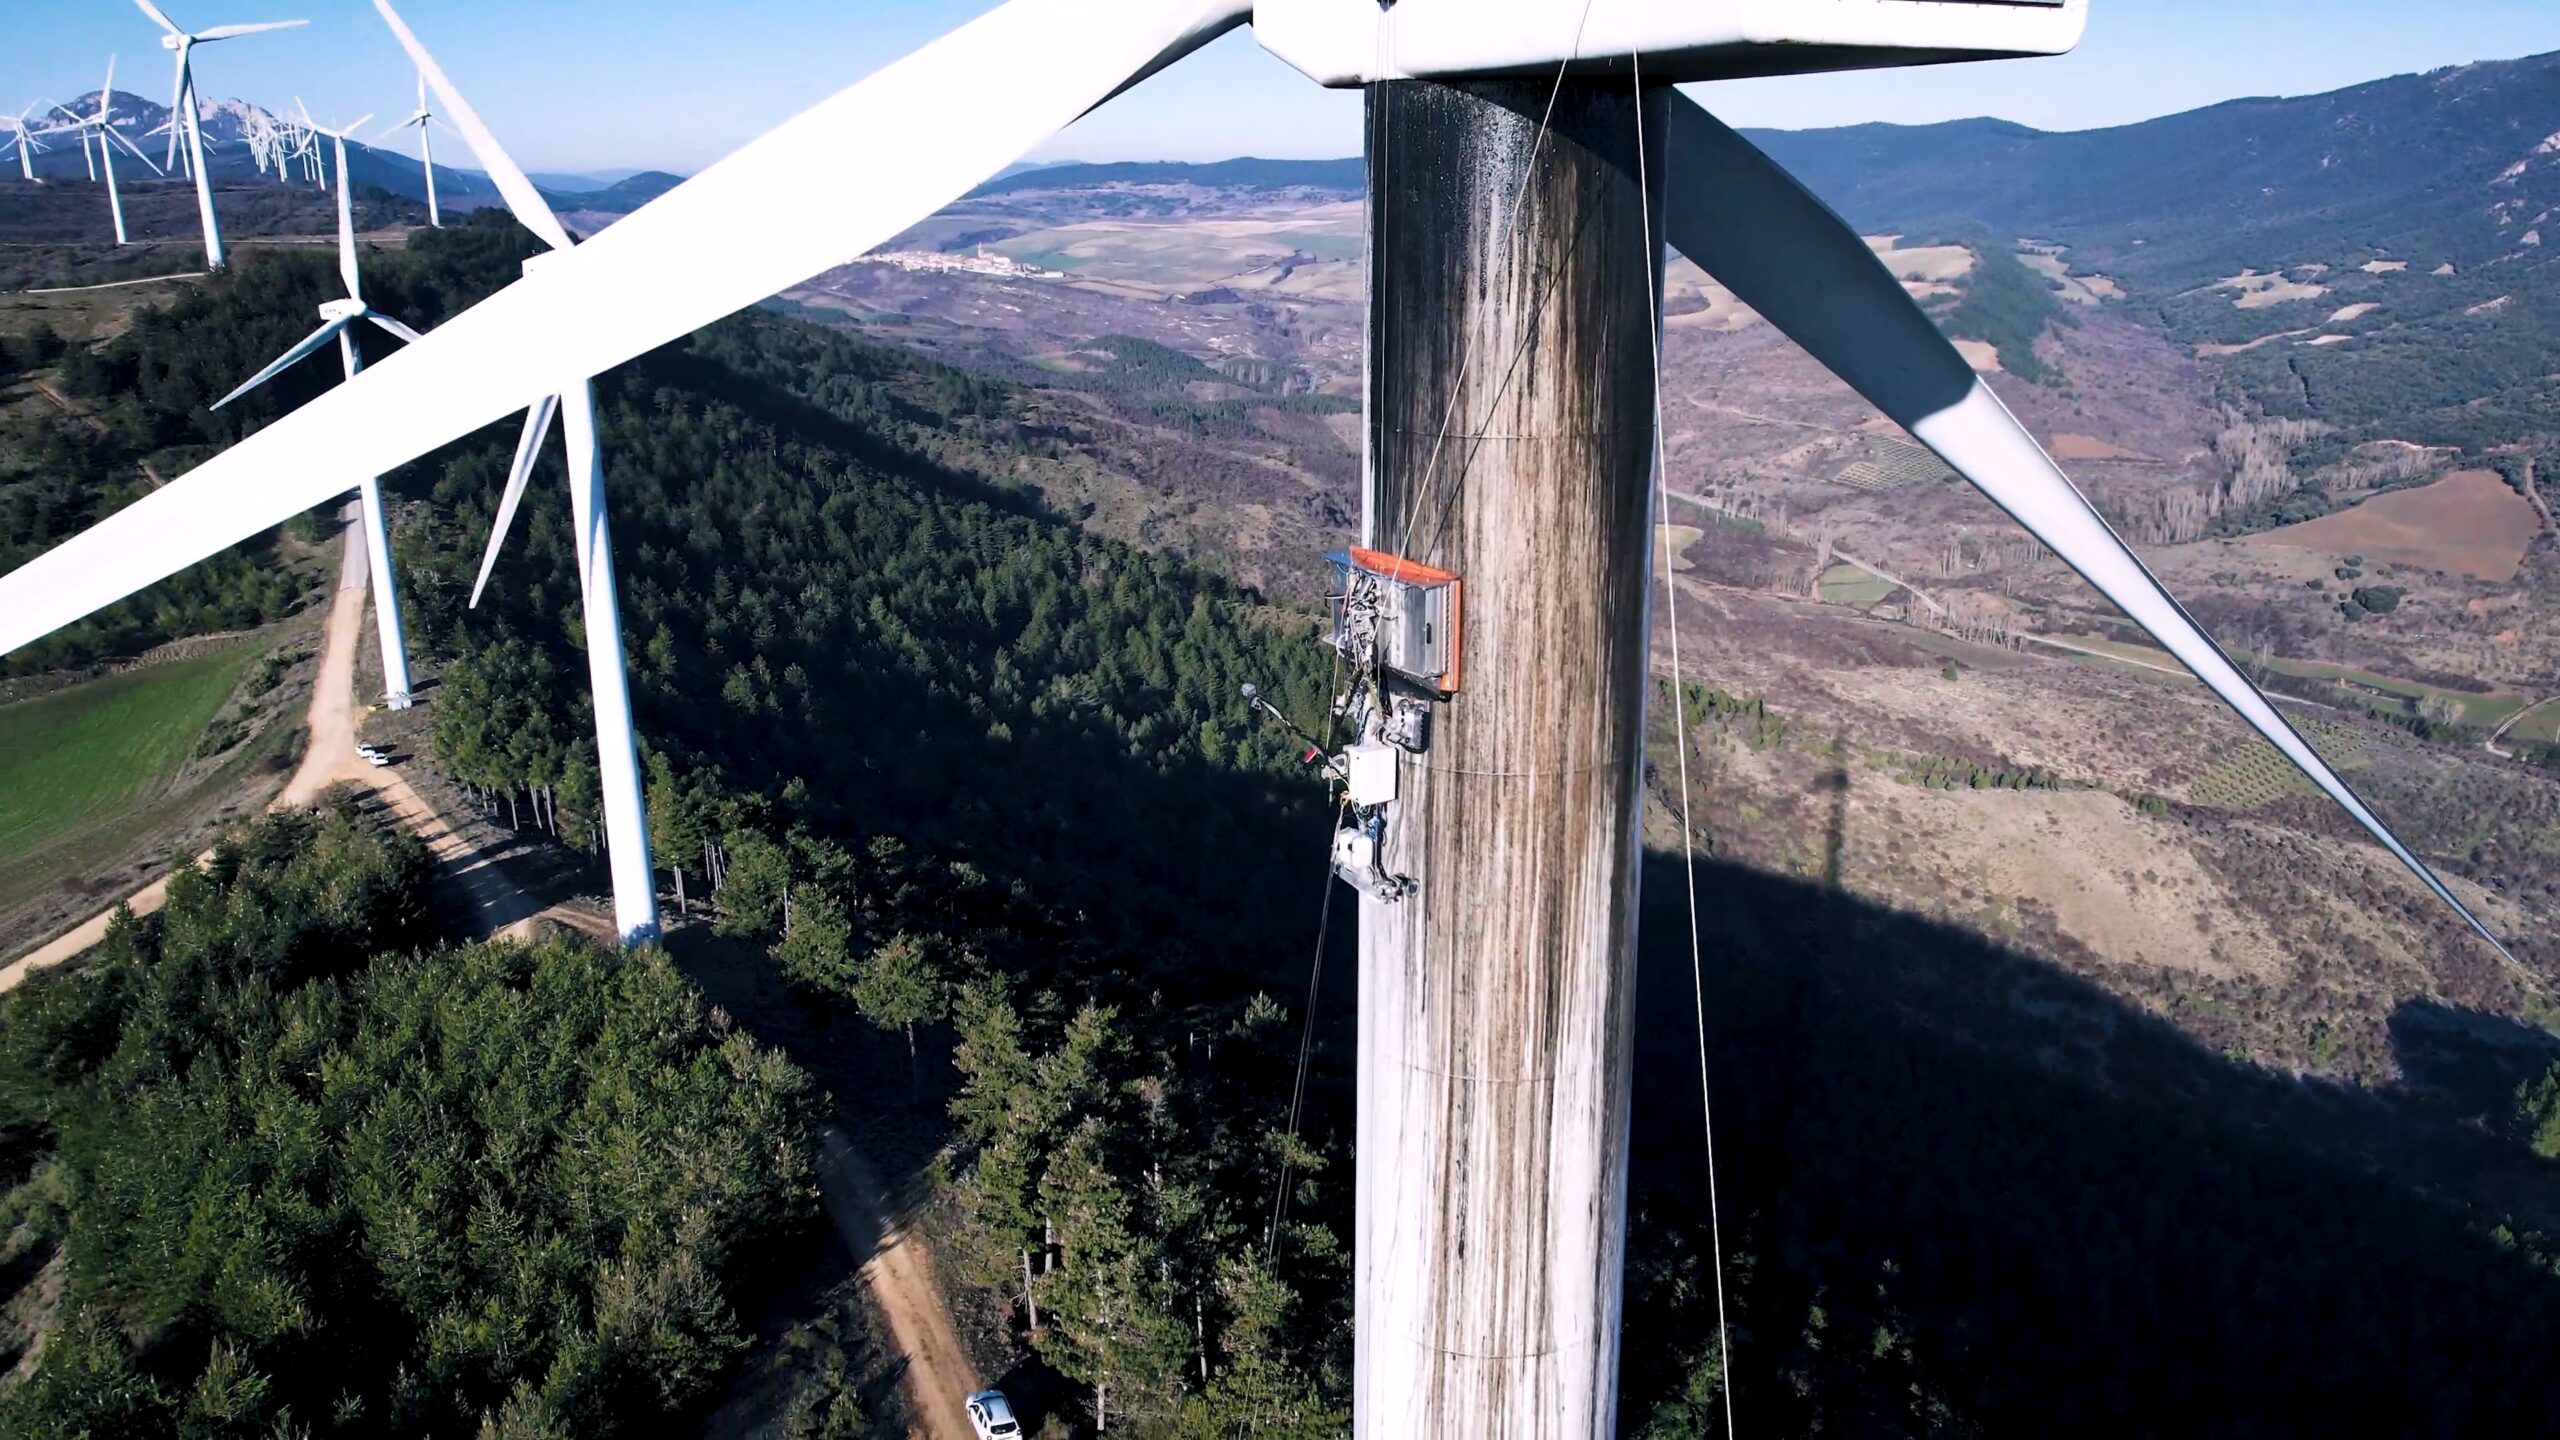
(2399, 226)
(2451, 166)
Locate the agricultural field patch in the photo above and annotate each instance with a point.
(2469, 523)
(1891, 465)
(2542, 727)
(2255, 774)
(2068, 446)
(1982, 355)
(2253, 291)
(2072, 289)
(1674, 541)
(83, 756)
(1184, 255)
(1851, 586)
(1939, 263)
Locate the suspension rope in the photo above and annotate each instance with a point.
(1315, 978)
(1680, 737)
(1306, 1044)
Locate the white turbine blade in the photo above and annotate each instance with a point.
(1782, 252)
(530, 209)
(159, 17)
(962, 108)
(537, 424)
(135, 150)
(394, 326)
(281, 363)
(233, 32)
(177, 98)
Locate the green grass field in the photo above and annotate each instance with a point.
(97, 752)
(2542, 727)
(1849, 585)
(2482, 710)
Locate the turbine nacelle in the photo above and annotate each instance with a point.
(342, 311)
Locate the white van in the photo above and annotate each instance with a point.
(991, 1418)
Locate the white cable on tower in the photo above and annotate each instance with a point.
(1680, 738)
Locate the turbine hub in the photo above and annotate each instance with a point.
(343, 310)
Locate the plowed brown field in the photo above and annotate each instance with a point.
(2468, 523)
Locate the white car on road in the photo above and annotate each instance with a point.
(990, 1418)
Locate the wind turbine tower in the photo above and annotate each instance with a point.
(423, 120)
(337, 321)
(626, 817)
(187, 116)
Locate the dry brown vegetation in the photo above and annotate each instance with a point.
(2261, 924)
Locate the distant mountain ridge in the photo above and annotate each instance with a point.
(227, 125)
(2405, 163)
(2454, 167)
(2393, 241)
(619, 198)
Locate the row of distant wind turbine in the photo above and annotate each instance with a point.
(275, 146)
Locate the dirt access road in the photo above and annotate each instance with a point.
(939, 1376)
(330, 758)
(898, 1268)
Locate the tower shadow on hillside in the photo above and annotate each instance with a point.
(2467, 1064)
(1835, 837)
(1953, 1173)
(2000, 1188)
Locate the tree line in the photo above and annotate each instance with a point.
(306, 1175)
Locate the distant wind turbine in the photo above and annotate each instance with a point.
(337, 317)
(28, 149)
(424, 120)
(88, 156)
(301, 150)
(172, 155)
(101, 125)
(187, 116)
(626, 819)
(265, 140)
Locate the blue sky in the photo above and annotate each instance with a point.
(575, 84)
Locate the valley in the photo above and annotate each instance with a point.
(2043, 1000)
